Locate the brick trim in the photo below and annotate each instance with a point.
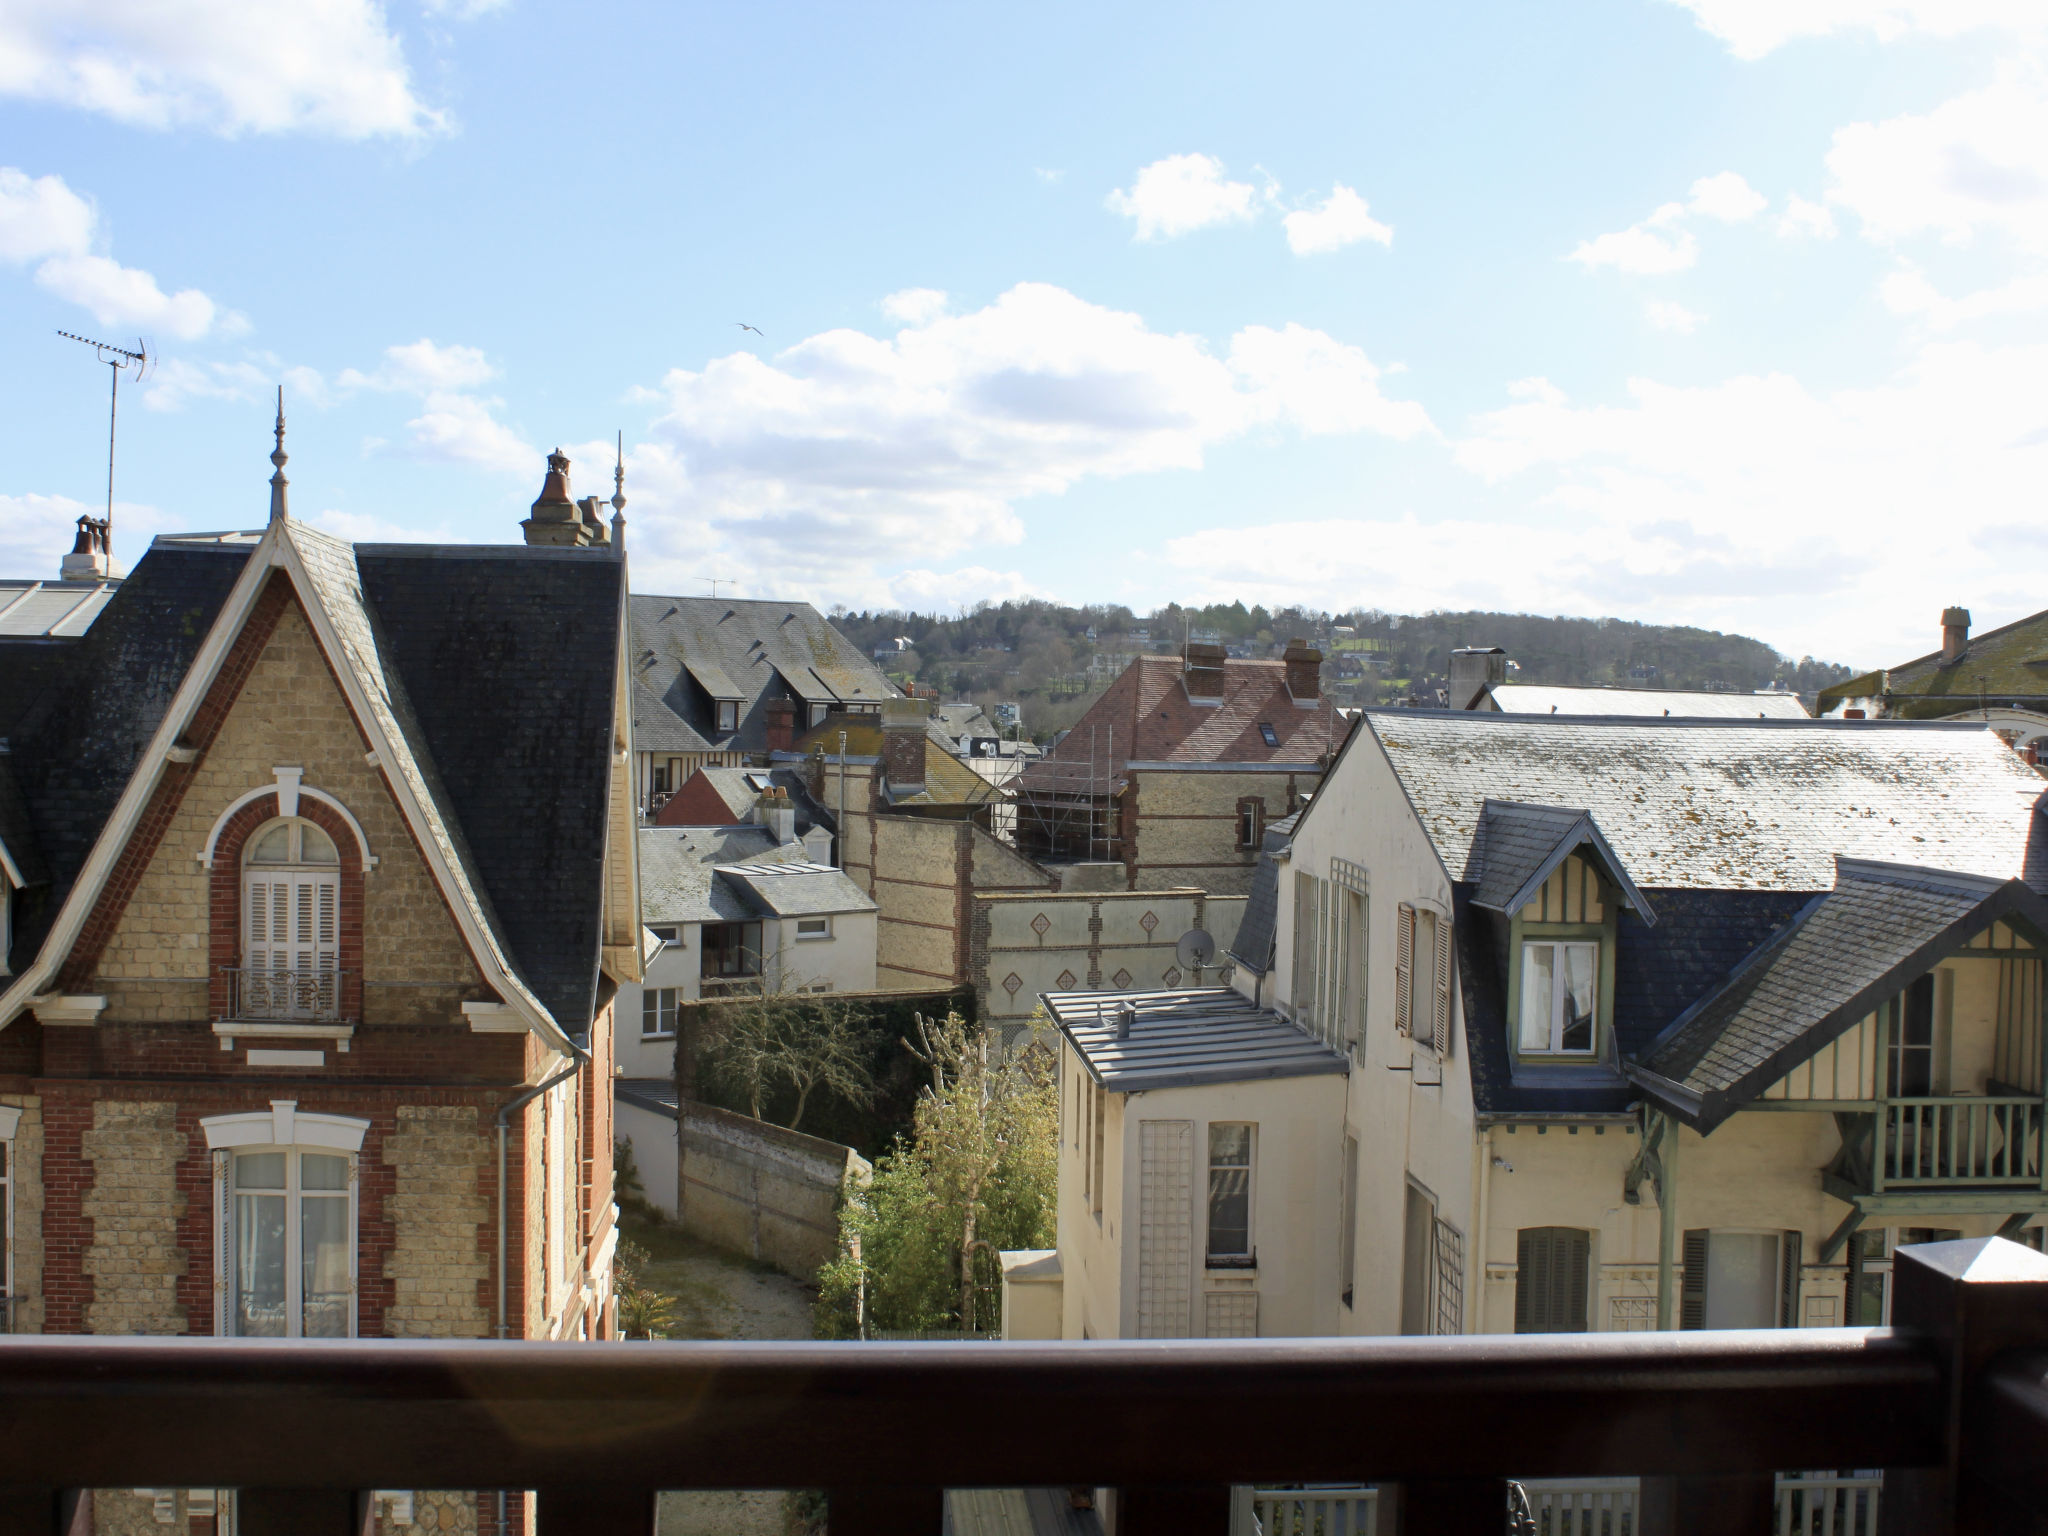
(224, 900)
(83, 959)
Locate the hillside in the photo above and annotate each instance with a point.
(1052, 659)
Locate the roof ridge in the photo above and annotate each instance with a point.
(1916, 876)
(1495, 717)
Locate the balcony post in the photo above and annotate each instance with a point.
(885, 1511)
(1736, 1504)
(605, 1509)
(302, 1512)
(1972, 1301)
(1462, 1506)
(1198, 1509)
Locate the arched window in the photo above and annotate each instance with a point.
(291, 900)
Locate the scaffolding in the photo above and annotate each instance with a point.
(1066, 807)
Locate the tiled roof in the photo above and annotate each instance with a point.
(1146, 716)
(1520, 845)
(1756, 805)
(1259, 925)
(797, 889)
(19, 845)
(2002, 665)
(657, 728)
(1560, 699)
(1848, 951)
(734, 792)
(676, 880)
(1184, 1039)
(689, 651)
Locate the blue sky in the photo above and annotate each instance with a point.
(1726, 312)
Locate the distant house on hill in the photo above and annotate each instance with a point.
(1176, 769)
(724, 682)
(2000, 678)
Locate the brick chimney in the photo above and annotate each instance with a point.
(1304, 669)
(90, 559)
(777, 812)
(1955, 635)
(555, 519)
(903, 744)
(780, 718)
(1204, 675)
(1473, 670)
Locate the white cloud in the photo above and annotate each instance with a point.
(1659, 244)
(176, 382)
(1667, 316)
(1908, 292)
(1726, 197)
(948, 591)
(846, 450)
(915, 306)
(1804, 220)
(455, 425)
(43, 221)
(422, 366)
(36, 531)
(1181, 194)
(1343, 219)
(1049, 177)
(332, 67)
(1753, 28)
(1976, 164)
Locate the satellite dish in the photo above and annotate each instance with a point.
(1195, 949)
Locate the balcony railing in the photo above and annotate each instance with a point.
(1962, 1141)
(1953, 1403)
(286, 997)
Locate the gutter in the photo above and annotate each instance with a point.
(579, 1059)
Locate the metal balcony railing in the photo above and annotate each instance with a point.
(1962, 1141)
(281, 996)
(1952, 1403)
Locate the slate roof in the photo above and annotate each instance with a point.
(947, 779)
(1259, 925)
(18, 841)
(689, 651)
(677, 884)
(2007, 665)
(1729, 805)
(1187, 1039)
(797, 889)
(657, 728)
(1562, 699)
(960, 723)
(52, 608)
(1845, 953)
(79, 716)
(1153, 721)
(500, 665)
(1521, 845)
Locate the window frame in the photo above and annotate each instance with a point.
(825, 933)
(664, 1001)
(728, 716)
(294, 1194)
(1248, 1256)
(1524, 929)
(1555, 1050)
(818, 715)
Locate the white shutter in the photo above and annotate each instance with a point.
(1441, 1021)
(1404, 967)
(291, 923)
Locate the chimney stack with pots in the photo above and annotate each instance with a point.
(779, 717)
(90, 559)
(1474, 669)
(1204, 676)
(1304, 670)
(1955, 635)
(903, 744)
(777, 812)
(555, 519)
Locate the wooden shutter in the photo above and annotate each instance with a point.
(1552, 1268)
(1788, 1289)
(1692, 1293)
(1302, 984)
(1440, 1021)
(1404, 967)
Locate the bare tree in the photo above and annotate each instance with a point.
(808, 1043)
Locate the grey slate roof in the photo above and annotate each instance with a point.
(1259, 925)
(795, 889)
(1520, 846)
(1186, 1039)
(740, 789)
(18, 840)
(657, 728)
(1708, 804)
(1880, 927)
(1562, 699)
(677, 884)
(690, 651)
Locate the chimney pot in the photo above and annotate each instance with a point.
(1304, 669)
(1126, 1016)
(556, 519)
(1955, 635)
(1204, 674)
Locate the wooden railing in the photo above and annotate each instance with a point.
(1953, 1403)
(1962, 1141)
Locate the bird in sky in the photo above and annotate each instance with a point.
(746, 327)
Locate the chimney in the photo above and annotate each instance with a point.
(1304, 670)
(555, 519)
(777, 812)
(903, 744)
(89, 559)
(1473, 670)
(1204, 675)
(593, 521)
(1955, 635)
(780, 716)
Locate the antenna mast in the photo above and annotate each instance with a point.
(717, 582)
(116, 359)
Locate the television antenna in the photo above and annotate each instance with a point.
(717, 582)
(116, 359)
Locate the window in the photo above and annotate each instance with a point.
(291, 921)
(1552, 1268)
(814, 928)
(657, 1013)
(1417, 1229)
(1740, 1280)
(1558, 985)
(731, 949)
(1422, 976)
(291, 1244)
(818, 713)
(1267, 734)
(1230, 1195)
(1347, 1222)
(1251, 819)
(1910, 1047)
(728, 716)
(668, 933)
(660, 784)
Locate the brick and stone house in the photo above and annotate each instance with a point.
(319, 879)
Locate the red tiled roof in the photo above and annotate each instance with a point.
(1154, 720)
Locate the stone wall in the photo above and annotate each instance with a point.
(27, 1175)
(1181, 828)
(134, 1204)
(1025, 943)
(440, 1158)
(757, 1189)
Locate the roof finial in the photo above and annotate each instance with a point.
(278, 483)
(619, 497)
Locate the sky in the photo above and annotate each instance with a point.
(1719, 312)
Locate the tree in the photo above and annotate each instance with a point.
(807, 1043)
(979, 1175)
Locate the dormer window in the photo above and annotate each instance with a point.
(728, 716)
(1560, 983)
